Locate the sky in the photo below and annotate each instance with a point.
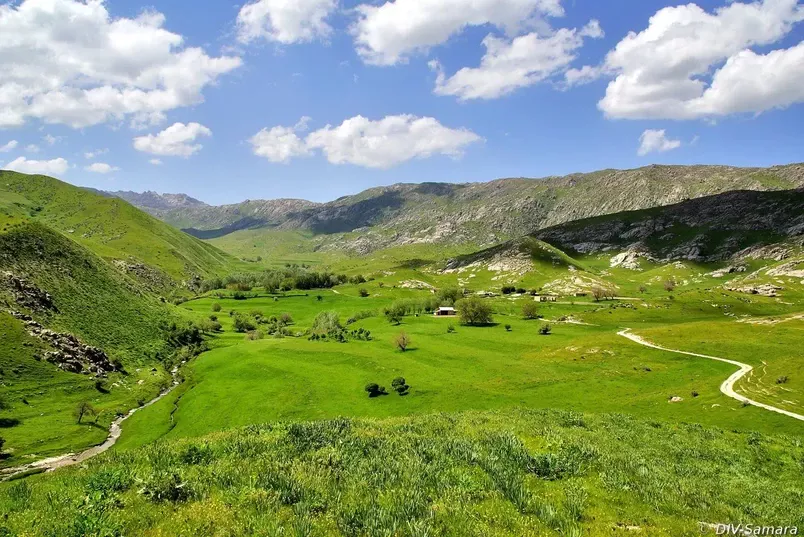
(317, 99)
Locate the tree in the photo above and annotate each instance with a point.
(530, 310)
(2, 442)
(508, 328)
(216, 307)
(243, 323)
(364, 292)
(448, 296)
(669, 285)
(643, 289)
(474, 311)
(400, 386)
(319, 298)
(402, 341)
(545, 330)
(85, 409)
(598, 293)
(375, 390)
(286, 319)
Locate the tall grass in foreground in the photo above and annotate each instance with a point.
(476, 473)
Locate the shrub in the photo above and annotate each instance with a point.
(254, 335)
(213, 317)
(400, 386)
(375, 390)
(450, 329)
(474, 311)
(530, 310)
(508, 289)
(669, 285)
(364, 292)
(782, 380)
(216, 307)
(402, 341)
(243, 323)
(545, 330)
(326, 321)
(286, 319)
(2, 442)
(508, 328)
(167, 488)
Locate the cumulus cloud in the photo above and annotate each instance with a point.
(690, 64)
(369, 143)
(70, 62)
(656, 141)
(8, 146)
(32, 148)
(51, 140)
(279, 144)
(178, 140)
(284, 21)
(43, 167)
(512, 64)
(101, 167)
(390, 33)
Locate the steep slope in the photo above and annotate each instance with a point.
(140, 244)
(709, 229)
(482, 213)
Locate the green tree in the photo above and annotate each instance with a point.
(474, 311)
(530, 310)
(402, 341)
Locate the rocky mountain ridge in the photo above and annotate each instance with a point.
(484, 213)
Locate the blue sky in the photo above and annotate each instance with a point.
(399, 86)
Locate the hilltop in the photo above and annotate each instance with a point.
(481, 213)
(158, 254)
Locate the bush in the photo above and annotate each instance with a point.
(530, 310)
(402, 341)
(474, 311)
(243, 323)
(508, 289)
(286, 319)
(216, 307)
(375, 390)
(450, 329)
(508, 328)
(545, 330)
(782, 380)
(669, 285)
(400, 386)
(364, 292)
(254, 335)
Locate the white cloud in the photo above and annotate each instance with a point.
(360, 141)
(44, 167)
(656, 141)
(512, 64)
(176, 140)
(9, 146)
(280, 144)
(32, 148)
(389, 33)
(51, 140)
(691, 64)
(89, 155)
(284, 21)
(101, 167)
(155, 162)
(70, 62)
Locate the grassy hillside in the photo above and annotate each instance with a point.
(99, 305)
(111, 228)
(517, 472)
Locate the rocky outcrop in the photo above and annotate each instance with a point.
(26, 294)
(766, 289)
(69, 353)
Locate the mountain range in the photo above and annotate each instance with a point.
(480, 213)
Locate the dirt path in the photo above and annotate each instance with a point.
(68, 459)
(728, 385)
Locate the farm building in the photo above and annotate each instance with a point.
(545, 298)
(445, 312)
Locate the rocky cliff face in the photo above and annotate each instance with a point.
(485, 213)
(714, 228)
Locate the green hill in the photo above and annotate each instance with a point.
(111, 228)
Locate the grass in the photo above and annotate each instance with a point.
(513, 472)
(110, 227)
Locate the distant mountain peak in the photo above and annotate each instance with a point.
(154, 200)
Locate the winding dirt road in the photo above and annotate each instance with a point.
(69, 459)
(728, 385)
